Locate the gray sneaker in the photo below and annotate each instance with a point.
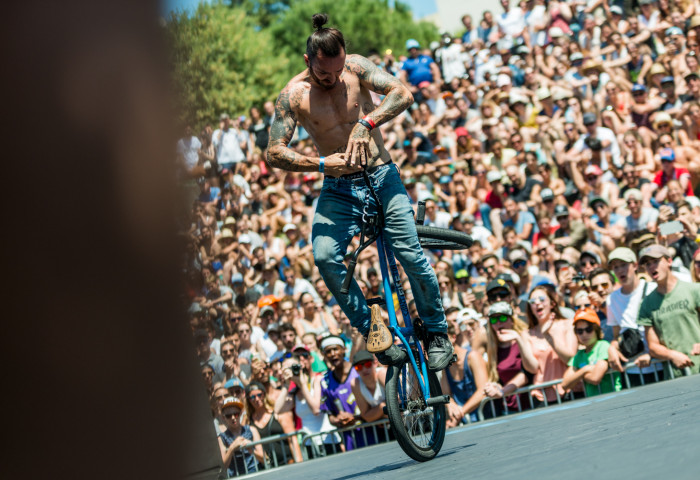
(440, 351)
(392, 356)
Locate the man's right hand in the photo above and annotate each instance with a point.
(616, 358)
(681, 360)
(335, 166)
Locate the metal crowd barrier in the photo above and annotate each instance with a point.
(271, 461)
(667, 369)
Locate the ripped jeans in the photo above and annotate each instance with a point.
(338, 218)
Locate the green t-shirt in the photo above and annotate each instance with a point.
(597, 353)
(318, 365)
(674, 317)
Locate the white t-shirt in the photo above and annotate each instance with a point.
(623, 309)
(228, 146)
(602, 134)
(188, 149)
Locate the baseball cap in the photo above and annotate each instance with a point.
(232, 402)
(638, 88)
(267, 300)
(288, 227)
(667, 154)
(587, 315)
(500, 308)
(412, 43)
(244, 238)
(493, 176)
(233, 383)
(633, 193)
(502, 80)
(224, 116)
(561, 211)
(496, 284)
(593, 170)
(575, 57)
(616, 10)
(236, 278)
(461, 274)
(273, 327)
(424, 84)
(547, 194)
(591, 254)
(589, 118)
(668, 79)
(362, 356)
(266, 309)
(301, 348)
(673, 31)
(461, 132)
(691, 75)
(516, 254)
(654, 251)
(543, 92)
(468, 313)
(556, 32)
(623, 254)
(595, 200)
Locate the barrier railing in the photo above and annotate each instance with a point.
(666, 368)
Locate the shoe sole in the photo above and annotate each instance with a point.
(442, 365)
(379, 338)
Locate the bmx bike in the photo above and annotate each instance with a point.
(415, 404)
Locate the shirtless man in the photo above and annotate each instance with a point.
(331, 100)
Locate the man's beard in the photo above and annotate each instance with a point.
(323, 85)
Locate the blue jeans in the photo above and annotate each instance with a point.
(338, 218)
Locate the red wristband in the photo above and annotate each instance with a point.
(369, 120)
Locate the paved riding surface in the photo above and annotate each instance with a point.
(647, 432)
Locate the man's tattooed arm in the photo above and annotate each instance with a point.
(279, 155)
(398, 98)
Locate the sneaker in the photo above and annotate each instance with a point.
(440, 351)
(392, 356)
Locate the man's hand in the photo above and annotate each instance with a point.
(493, 390)
(345, 418)
(681, 360)
(335, 165)
(357, 153)
(696, 349)
(615, 358)
(454, 412)
(643, 360)
(506, 335)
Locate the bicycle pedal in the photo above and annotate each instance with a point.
(454, 360)
(384, 410)
(379, 338)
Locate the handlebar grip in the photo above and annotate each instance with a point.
(345, 288)
(420, 215)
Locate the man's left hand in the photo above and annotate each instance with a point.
(357, 153)
(696, 349)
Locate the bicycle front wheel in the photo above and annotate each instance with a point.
(419, 429)
(443, 238)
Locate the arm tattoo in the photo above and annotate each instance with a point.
(397, 98)
(279, 155)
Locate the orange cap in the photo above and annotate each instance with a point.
(587, 315)
(267, 300)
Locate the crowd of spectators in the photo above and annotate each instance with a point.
(563, 136)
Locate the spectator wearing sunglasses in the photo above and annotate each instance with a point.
(520, 264)
(590, 363)
(511, 361)
(464, 382)
(602, 284)
(588, 261)
(553, 340)
(237, 459)
(368, 387)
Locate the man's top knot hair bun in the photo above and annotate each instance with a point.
(319, 19)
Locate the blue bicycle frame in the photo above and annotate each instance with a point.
(392, 284)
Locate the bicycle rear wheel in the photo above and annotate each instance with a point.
(443, 238)
(419, 429)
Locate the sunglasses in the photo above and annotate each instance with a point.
(232, 415)
(588, 262)
(585, 305)
(638, 94)
(519, 263)
(499, 318)
(463, 281)
(235, 319)
(360, 366)
(603, 286)
(227, 352)
(581, 331)
(538, 299)
(496, 296)
(598, 206)
(257, 395)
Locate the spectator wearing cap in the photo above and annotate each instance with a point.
(590, 364)
(368, 387)
(639, 218)
(552, 337)
(237, 459)
(570, 232)
(519, 260)
(336, 390)
(230, 143)
(588, 261)
(605, 135)
(602, 283)
(464, 382)
(451, 58)
(673, 103)
(670, 313)
(622, 309)
(669, 171)
(418, 68)
(511, 361)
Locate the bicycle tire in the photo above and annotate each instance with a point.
(404, 407)
(443, 238)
